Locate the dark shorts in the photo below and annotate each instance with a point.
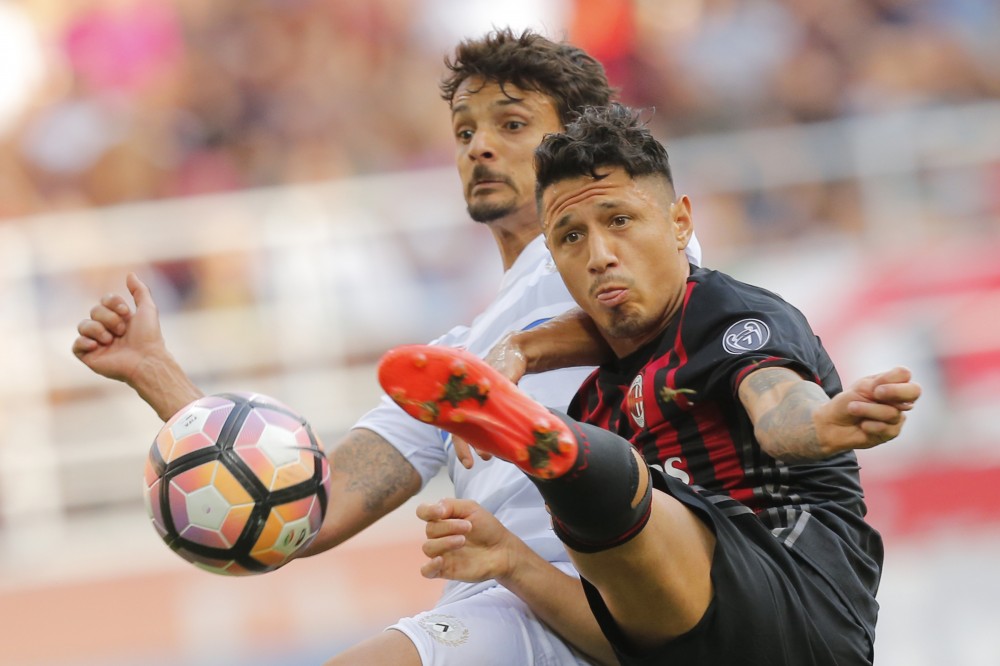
(769, 608)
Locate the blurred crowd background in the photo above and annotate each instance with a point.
(112, 101)
(280, 172)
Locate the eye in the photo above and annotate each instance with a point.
(619, 221)
(514, 125)
(464, 135)
(571, 237)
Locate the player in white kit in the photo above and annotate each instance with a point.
(505, 92)
(483, 623)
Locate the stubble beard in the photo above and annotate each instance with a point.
(489, 212)
(624, 325)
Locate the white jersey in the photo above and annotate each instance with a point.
(531, 292)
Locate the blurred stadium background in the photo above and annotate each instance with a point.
(280, 172)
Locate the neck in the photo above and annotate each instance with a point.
(513, 233)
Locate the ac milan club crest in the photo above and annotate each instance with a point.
(636, 408)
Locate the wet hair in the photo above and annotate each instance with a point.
(563, 72)
(602, 137)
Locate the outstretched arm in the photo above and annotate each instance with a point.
(567, 341)
(794, 420)
(465, 542)
(120, 344)
(369, 476)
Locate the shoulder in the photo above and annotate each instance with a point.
(720, 297)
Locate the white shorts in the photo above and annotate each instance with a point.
(491, 628)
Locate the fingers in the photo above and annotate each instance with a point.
(432, 568)
(439, 529)
(84, 344)
(449, 507)
(444, 530)
(898, 380)
(879, 432)
(443, 545)
(466, 453)
(444, 535)
(898, 393)
(111, 318)
(878, 423)
(875, 411)
(432, 511)
(463, 452)
(94, 331)
(893, 387)
(897, 375)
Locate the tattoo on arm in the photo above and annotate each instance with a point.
(762, 381)
(785, 429)
(375, 469)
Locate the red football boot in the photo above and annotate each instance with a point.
(456, 391)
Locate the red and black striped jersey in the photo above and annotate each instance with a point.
(676, 401)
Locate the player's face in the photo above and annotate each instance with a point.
(496, 132)
(619, 244)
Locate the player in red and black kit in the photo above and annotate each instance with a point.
(705, 481)
(674, 400)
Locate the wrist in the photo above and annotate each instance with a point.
(519, 346)
(519, 562)
(162, 384)
(820, 436)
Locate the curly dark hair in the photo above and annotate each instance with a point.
(602, 136)
(564, 72)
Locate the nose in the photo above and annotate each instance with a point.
(601, 254)
(481, 147)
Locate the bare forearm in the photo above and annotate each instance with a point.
(569, 340)
(369, 479)
(559, 601)
(782, 407)
(164, 386)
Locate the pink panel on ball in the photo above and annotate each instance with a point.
(149, 475)
(204, 537)
(258, 463)
(177, 505)
(212, 401)
(315, 515)
(197, 477)
(250, 430)
(217, 419)
(281, 419)
(164, 442)
(189, 444)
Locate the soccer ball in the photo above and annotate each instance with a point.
(236, 483)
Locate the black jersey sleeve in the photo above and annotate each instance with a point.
(744, 328)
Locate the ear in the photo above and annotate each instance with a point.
(680, 211)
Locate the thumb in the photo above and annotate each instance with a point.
(454, 507)
(139, 290)
(897, 375)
